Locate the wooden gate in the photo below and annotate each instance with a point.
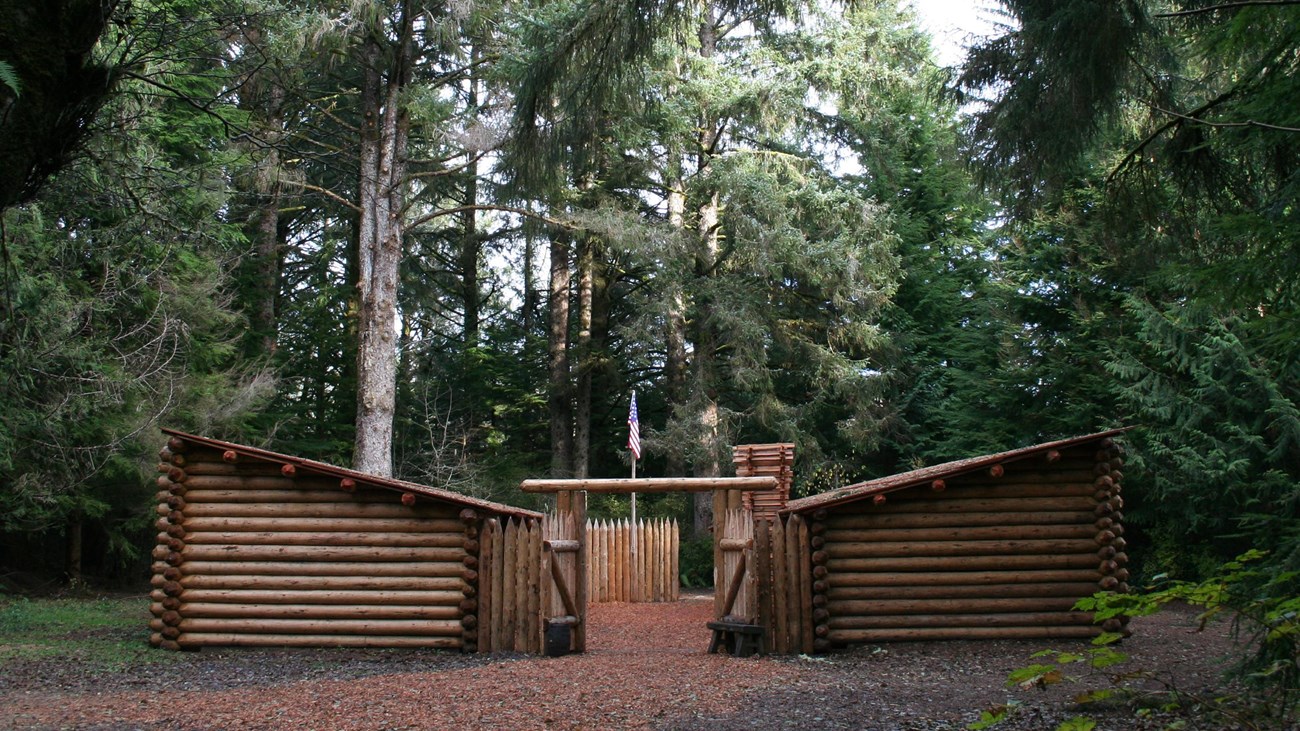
(734, 578)
(563, 602)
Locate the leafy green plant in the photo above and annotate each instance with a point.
(9, 77)
(1265, 613)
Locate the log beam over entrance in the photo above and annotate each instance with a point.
(624, 486)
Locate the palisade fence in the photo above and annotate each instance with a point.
(509, 572)
(633, 563)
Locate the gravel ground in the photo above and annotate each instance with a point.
(646, 668)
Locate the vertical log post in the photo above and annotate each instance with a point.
(805, 638)
(487, 597)
(719, 519)
(579, 507)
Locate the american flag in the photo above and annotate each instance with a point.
(633, 431)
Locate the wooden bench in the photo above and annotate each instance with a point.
(739, 638)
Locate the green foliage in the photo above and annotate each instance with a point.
(1224, 410)
(115, 316)
(991, 717)
(695, 562)
(1265, 614)
(9, 78)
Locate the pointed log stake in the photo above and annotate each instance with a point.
(230, 456)
(408, 499)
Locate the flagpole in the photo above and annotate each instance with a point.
(636, 589)
(634, 473)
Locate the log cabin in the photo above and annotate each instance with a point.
(262, 549)
(997, 546)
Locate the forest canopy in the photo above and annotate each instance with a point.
(445, 241)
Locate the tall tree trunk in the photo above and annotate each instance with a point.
(559, 406)
(73, 567)
(675, 366)
(382, 177)
(706, 257)
(530, 283)
(266, 233)
(582, 397)
(471, 245)
(471, 248)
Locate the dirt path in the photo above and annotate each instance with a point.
(646, 668)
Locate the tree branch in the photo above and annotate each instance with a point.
(327, 193)
(1175, 121)
(1247, 123)
(1226, 6)
(566, 225)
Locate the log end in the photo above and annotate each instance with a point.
(230, 456)
(997, 470)
(288, 470)
(347, 484)
(938, 485)
(408, 499)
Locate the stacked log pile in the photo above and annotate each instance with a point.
(765, 460)
(258, 553)
(1000, 553)
(633, 563)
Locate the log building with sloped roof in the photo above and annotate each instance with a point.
(263, 549)
(998, 546)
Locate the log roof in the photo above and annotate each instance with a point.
(361, 478)
(926, 475)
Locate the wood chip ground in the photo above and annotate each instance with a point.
(646, 669)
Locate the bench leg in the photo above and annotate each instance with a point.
(719, 638)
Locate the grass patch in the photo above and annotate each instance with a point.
(104, 632)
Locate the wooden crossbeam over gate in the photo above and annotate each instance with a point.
(623, 486)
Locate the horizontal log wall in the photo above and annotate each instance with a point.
(1002, 553)
(633, 563)
(256, 553)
